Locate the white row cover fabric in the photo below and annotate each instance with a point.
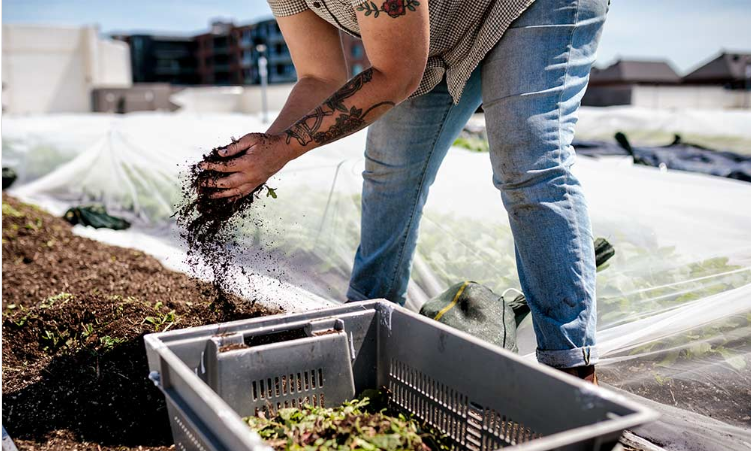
(674, 304)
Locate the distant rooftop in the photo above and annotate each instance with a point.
(633, 71)
(727, 67)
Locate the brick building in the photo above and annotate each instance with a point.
(225, 55)
(162, 59)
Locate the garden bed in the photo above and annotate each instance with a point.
(74, 315)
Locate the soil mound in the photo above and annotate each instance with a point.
(74, 315)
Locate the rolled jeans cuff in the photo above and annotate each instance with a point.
(569, 358)
(355, 296)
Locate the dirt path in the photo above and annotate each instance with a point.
(74, 315)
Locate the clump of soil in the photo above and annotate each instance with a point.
(74, 315)
(209, 225)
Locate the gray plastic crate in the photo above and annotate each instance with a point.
(480, 395)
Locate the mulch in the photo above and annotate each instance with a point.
(74, 315)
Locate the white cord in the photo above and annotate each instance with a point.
(511, 289)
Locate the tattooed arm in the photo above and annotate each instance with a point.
(321, 68)
(396, 41)
(397, 45)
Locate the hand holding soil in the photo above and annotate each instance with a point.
(214, 205)
(238, 169)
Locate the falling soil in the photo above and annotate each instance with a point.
(74, 315)
(209, 227)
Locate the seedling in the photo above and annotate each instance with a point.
(36, 225)
(108, 343)
(161, 322)
(88, 330)
(56, 340)
(50, 301)
(8, 210)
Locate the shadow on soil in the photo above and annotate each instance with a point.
(101, 397)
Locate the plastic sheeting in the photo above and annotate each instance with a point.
(674, 304)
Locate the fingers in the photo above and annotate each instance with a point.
(238, 192)
(228, 166)
(231, 181)
(235, 147)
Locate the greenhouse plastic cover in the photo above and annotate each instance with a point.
(674, 304)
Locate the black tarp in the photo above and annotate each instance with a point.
(677, 156)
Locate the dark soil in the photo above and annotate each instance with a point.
(276, 337)
(232, 347)
(74, 315)
(715, 390)
(208, 225)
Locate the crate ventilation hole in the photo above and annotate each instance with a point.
(193, 440)
(469, 424)
(283, 386)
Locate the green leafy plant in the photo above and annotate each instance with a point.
(88, 330)
(54, 340)
(36, 225)
(8, 210)
(161, 321)
(108, 343)
(50, 301)
(351, 426)
(19, 318)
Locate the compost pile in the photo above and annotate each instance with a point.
(355, 425)
(209, 226)
(74, 315)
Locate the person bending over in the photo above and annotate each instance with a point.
(434, 62)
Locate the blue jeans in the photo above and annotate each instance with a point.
(530, 85)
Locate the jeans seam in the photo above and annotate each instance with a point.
(417, 198)
(579, 261)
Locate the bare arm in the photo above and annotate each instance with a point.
(397, 46)
(321, 69)
(396, 41)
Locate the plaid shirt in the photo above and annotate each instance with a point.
(462, 32)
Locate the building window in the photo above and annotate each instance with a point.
(356, 69)
(357, 51)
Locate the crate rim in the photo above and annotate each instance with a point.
(641, 414)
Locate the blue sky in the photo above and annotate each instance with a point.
(685, 32)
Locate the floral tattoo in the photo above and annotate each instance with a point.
(394, 8)
(349, 120)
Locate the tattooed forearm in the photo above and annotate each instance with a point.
(348, 121)
(394, 8)
(304, 129)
